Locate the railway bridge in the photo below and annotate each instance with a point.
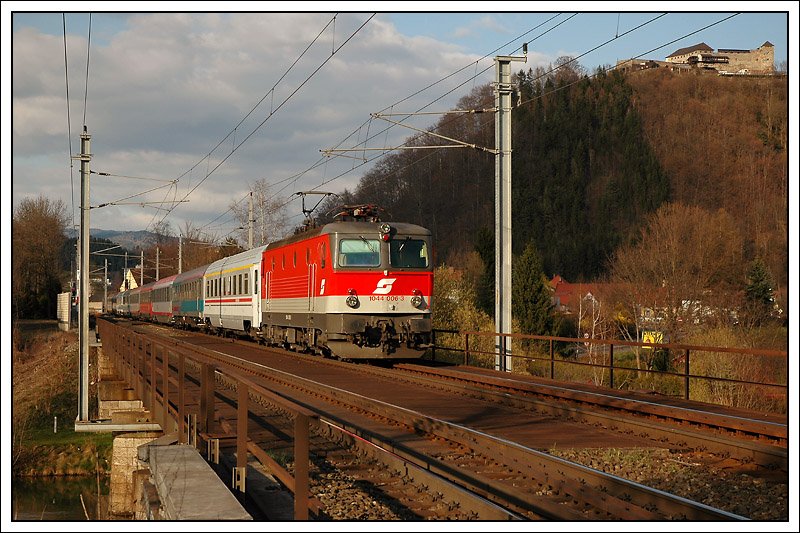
(209, 428)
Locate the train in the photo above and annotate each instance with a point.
(354, 288)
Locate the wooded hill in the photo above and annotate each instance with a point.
(593, 156)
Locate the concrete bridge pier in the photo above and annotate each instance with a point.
(152, 476)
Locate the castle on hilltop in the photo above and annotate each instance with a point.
(723, 61)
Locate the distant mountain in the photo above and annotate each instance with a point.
(131, 240)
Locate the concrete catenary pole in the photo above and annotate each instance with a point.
(502, 250)
(83, 383)
(141, 269)
(180, 253)
(157, 278)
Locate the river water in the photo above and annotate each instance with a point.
(59, 498)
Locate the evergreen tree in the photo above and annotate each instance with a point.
(531, 300)
(760, 291)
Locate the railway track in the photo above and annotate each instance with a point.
(761, 439)
(504, 476)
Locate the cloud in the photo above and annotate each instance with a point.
(481, 25)
(166, 88)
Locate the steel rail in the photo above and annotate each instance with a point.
(582, 481)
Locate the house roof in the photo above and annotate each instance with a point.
(694, 48)
(567, 294)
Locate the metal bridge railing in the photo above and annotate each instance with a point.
(157, 371)
(604, 357)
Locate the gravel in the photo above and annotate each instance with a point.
(719, 482)
(715, 481)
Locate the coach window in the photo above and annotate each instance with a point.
(240, 285)
(246, 285)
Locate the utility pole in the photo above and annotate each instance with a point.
(250, 223)
(157, 278)
(180, 253)
(83, 316)
(77, 284)
(502, 249)
(261, 204)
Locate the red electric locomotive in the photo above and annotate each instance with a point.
(356, 288)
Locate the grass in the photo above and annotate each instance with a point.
(68, 437)
(45, 386)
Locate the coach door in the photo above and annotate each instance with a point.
(251, 289)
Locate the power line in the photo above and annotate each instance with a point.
(110, 175)
(528, 101)
(385, 130)
(635, 57)
(272, 111)
(69, 122)
(86, 86)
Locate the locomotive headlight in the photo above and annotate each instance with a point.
(352, 300)
(416, 300)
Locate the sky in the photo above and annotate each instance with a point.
(210, 102)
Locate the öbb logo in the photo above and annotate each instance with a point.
(384, 286)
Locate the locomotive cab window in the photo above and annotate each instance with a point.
(359, 252)
(408, 253)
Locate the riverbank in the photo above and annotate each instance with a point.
(45, 396)
(68, 454)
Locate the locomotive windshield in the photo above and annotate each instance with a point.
(408, 253)
(359, 252)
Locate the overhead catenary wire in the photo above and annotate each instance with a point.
(477, 74)
(294, 178)
(86, 85)
(323, 160)
(367, 161)
(275, 110)
(69, 122)
(234, 147)
(430, 154)
(634, 57)
(110, 175)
